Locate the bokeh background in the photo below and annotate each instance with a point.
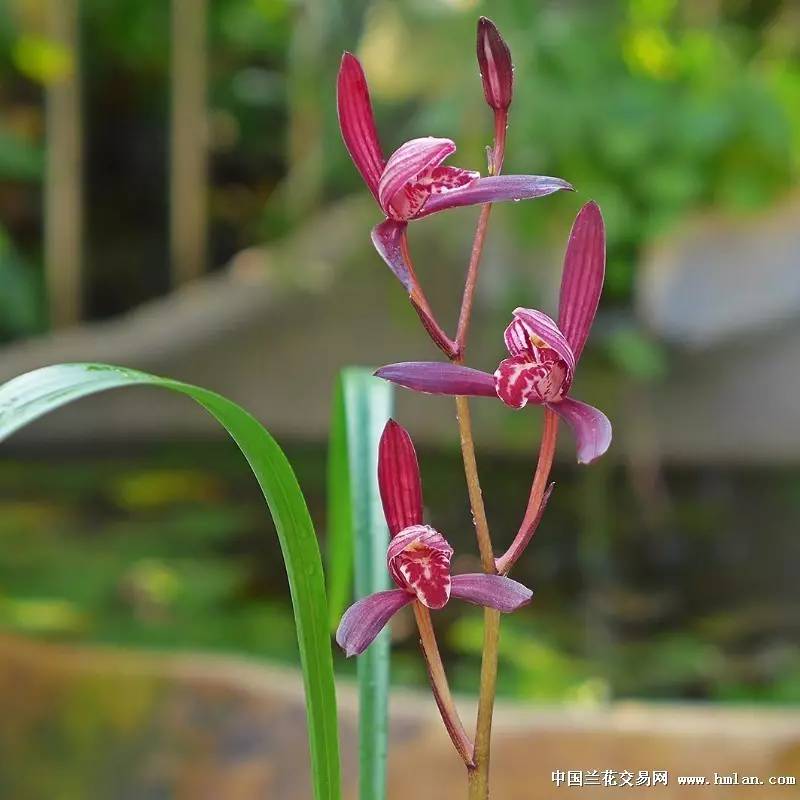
(174, 195)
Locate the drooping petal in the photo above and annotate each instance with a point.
(387, 238)
(494, 60)
(398, 478)
(590, 426)
(582, 282)
(357, 122)
(364, 620)
(495, 189)
(402, 170)
(494, 591)
(418, 559)
(435, 377)
(530, 330)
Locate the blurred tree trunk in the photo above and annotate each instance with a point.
(188, 141)
(63, 193)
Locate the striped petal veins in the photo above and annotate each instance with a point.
(418, 559)
(541, 363)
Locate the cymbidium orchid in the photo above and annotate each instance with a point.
(542, 358)
(418, 557)
(413, 183)
(494, 61)
(543, 354)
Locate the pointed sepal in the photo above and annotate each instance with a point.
(399, 479)
(491, 591)
(435, 377)
(582, 281)
(357, 122)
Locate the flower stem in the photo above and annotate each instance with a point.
(499, 146)
(440, 686)
(472, 277)
(495, 165)
(473, 484)
(478, 775)
(538, 496)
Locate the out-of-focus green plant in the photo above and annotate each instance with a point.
(539, 669)
(20, 159)
(654, 108)
(21, 310)
(357, 542)
(30, 396)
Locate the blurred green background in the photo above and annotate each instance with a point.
(670, 578)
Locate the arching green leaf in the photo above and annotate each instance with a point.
(24, 399)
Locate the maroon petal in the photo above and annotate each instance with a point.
(357, 122)
(584, 270)
(529, 325)
(590, 426)
(434, 377)
(364, 620)
(435, 180)
(404, 166)
(493, 190)
(517, 380)
(387, 238)
(494, 591)
(398, 478)
(418, 559)
(494, 60)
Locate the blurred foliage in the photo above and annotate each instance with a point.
(170, 568)
(21, 309)
(636, 355)
(166, 548)
(20, 160)
(656, 108)
(534, 666)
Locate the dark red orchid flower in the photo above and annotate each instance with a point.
(543, 354)
(494, 60)
(418, 557)
(413, 183)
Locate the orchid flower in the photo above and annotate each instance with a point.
(543, 354)
(418, 558)
(494, 61)
(413, 183)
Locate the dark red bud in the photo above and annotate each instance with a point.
(497, 71)
(398, 479)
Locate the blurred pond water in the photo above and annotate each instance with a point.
(683, 586)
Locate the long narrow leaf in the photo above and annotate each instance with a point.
(29, 396)
(362, 406)
(339, 538)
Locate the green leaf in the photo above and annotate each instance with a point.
(340, 513)
(357, 536)
(24, 399)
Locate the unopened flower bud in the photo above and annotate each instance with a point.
(497, 71)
